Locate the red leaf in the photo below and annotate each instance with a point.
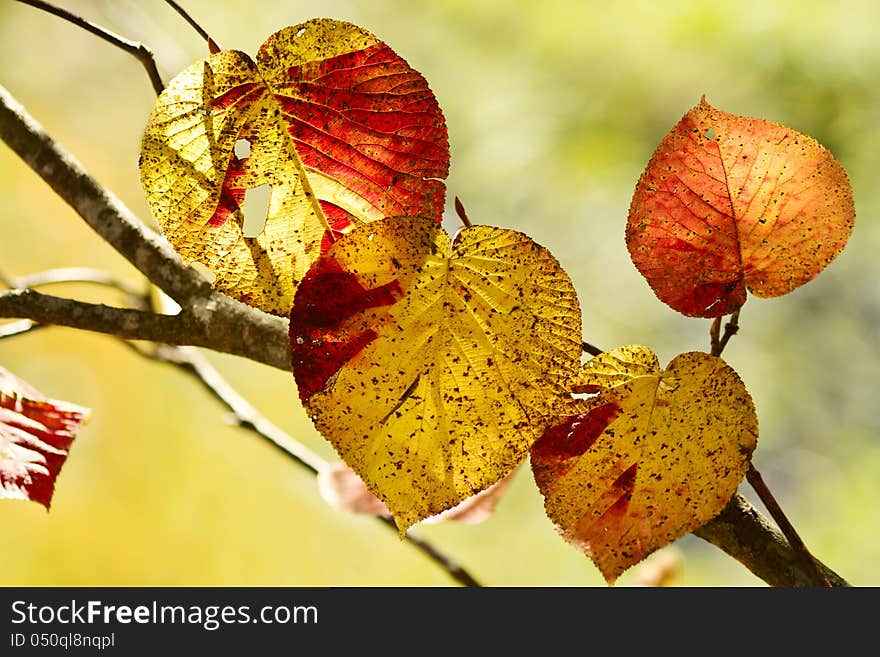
(729, 204)
(340, 128)
(35, 437)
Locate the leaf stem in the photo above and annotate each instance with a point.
(809, 561)
(462, 213)
(590, 349)
(719, 341)
(213, 48)
(143, 54)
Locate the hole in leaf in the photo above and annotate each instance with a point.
(710, 134)
(242, 149)
(205, 271)
(255, 209)
(300, 31)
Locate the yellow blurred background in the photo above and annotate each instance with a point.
(553, 110)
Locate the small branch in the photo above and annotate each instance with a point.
(123, 322)
(212, 45)
(741, 532)
(809, 561)
(216, 322)
(105, 213)
(247, 417)
(137, 50)
(718, 341)
(462, 213)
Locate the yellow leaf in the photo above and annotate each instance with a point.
(432, 366)
(655, 455)
(331, 123)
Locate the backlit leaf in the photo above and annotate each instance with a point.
(344, 490)
(729, 204)
(655, 455)
(338, 127)
(432, 365)
(35, 437)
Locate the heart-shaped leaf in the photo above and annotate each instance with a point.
(35, 437)
(340, 129)
(729, 204)
(433, 366)
(655, 455)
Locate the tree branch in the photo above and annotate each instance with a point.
(742, 533)
(216, 322)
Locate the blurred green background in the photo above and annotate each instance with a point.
(553, 109)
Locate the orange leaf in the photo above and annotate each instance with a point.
(35, 437)
(728, 204)
(655, 455)
(328, 121)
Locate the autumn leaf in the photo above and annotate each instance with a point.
(653, 456)
(338, 126)
(344, 490)
(729, 204)
(430, 365)
(35, 437)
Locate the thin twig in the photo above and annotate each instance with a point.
(212, 45)
(134, 48)
(247, 417)
(462, 213)
(757, 482)
(718, 341)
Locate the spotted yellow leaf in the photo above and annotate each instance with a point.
(432, 365)
(653, 456)
(252, 167)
